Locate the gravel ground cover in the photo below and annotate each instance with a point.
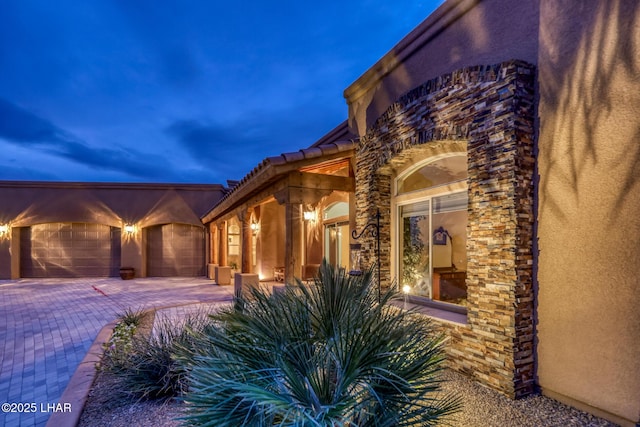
(483, 407)
(108, 404)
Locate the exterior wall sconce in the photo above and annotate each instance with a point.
(309, 215)
(4, 230)
(255, 227)
(129, 228)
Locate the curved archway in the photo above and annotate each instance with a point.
(430, 202)
(488, 110)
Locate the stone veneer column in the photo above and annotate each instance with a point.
(491, 109)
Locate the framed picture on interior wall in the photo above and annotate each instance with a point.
(440, 236)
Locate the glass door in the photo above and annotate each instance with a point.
(432, 247)
(336, 244)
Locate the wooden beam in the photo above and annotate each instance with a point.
(319, 181)
(311, 181)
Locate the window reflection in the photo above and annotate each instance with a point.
(433, 231)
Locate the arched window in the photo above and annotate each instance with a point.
(431, 201)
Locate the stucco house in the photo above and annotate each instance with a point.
(67, 229)
(499, 142)
(495, 150)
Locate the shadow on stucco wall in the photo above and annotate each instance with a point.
(589, 198)
(589, 86)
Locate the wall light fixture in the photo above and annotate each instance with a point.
(129, 228)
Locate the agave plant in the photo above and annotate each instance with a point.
(324, 354)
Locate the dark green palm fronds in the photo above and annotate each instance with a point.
(324, 354)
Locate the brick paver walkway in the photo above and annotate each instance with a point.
(48, 325)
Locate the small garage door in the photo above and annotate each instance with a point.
(175, 250)
(69, 250)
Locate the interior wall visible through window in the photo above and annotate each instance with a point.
(431, 231)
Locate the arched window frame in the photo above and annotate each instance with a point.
(417, 196)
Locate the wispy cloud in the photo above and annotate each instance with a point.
(233, 148)
(228, 148)
(20, 126)
(180, 91)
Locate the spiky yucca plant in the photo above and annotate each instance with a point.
(325, 354)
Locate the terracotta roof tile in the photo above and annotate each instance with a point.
(312, 152)
(275, 160)
(330, 148)
(293, 157)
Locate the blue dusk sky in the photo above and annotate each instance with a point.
(185, 91)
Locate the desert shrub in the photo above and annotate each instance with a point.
(154, 365)
(118, 348)
(131, 316)
(325, 354)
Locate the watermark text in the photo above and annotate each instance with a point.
(33, 407)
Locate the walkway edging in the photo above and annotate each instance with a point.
(80, 384)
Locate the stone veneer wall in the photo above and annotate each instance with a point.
(490, 108)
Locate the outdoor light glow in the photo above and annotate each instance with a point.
(4, 231)
(309, 215)
(255, 226)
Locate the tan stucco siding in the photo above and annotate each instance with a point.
(461, 33)
(589, 199)
(26, 204)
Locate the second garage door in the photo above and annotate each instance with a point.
(175, 250)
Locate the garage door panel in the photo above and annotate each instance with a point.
(69, 250)
(175, 250)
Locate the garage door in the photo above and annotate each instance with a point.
(69, 250)
(175, 250)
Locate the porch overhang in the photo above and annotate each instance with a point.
(286, 177)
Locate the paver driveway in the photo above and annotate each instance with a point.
(48, 325)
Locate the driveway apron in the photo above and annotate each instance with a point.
(48, 325)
